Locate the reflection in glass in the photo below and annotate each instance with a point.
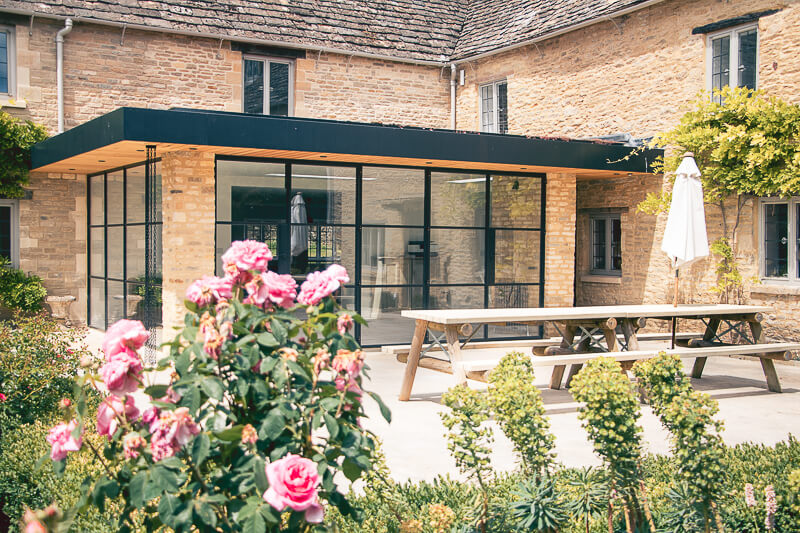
(327, 194)
(457, 256)
(392, 256)
(323, 246)
(97, 250)
(253, 86)
(458, 199)
(513, 297)
(776, 240)
(114, 197)
(279, 89)
(516, 256)
(134, 190)
(96, 195)
(393, 196)
(135, 253)
(97, 302)
(456, 298)
(516, 202)
(116, 252)
(382, 306)
(748, 58)
(116, 301)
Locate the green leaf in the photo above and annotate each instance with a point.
(351, 470)
(164, 478)
(156, 391)
(385, 412)
(231, 434)
(182, 363)
(255, 524)
(272, 426)
(200, 449)
(267, 339)
(331, 424)
(58, 468)
(279, 331)
(212, 386)
(260, 474)
(136, 489)
(205, 513)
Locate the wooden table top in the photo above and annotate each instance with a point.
(557, 314)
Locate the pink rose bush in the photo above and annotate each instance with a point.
(249, 412)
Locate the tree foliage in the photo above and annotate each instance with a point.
(16, 139)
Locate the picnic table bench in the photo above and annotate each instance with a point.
(585, 333)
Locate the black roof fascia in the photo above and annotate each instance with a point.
(239, 130)
(735, 21)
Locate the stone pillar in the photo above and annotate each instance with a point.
(188, 231)
(559, 259)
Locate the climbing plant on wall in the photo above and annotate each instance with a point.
(747, 145)
(16, 138)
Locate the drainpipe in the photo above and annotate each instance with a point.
(60, 70)
(453, 75)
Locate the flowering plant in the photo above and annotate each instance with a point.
(261, 410)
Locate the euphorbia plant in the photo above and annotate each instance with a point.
(261, 411)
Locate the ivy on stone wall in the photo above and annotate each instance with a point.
(746, 145)
(16, 138)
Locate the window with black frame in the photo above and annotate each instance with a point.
(124, 247)
(410, 238)
(606, 244)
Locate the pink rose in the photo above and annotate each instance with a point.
(172, 431)
(344, 323)
(338, 272)
(132, 444)
(111, 410)
(35, 527)
(124, 334)
(209, 290)
(348, 362)
(150, 417)
(2, 397)
(122, 373)
(62, 442)
(293, 482)
(319, 285)
(244, 256)
(269, 287)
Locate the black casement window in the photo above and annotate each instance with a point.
(7, 61)
(732, 58)
(9, 231)
(494, 107)
(268, 86)
(780, 231)
(606, 235)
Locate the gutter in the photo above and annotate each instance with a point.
(220, 37)
(60, 71)
(453, 74)
(561, 31)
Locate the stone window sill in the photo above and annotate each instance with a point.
(6, 101)
(593, 278)
(776, 289)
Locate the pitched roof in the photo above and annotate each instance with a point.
(421, 30)
(494, 24)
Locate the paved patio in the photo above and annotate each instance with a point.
(416, 449)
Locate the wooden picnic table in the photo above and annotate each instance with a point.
(585, 330)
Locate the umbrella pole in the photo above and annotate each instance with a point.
(675, 304)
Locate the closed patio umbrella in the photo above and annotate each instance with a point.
(299, 233)
(685, 239)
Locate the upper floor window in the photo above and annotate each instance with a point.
(606, 245)
(268, 86)
(780, 231)
(732, 58)
(494, 107)
(7, 60)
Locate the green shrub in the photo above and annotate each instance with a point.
(38, 362)
(16, 139)
(18, 290)
(518, 408)
(24, 483)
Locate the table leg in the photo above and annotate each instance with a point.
(773, 383)
(454, 347)
(558, 370)
(413, 360)
(700, 362)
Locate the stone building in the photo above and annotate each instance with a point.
(581, 69)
